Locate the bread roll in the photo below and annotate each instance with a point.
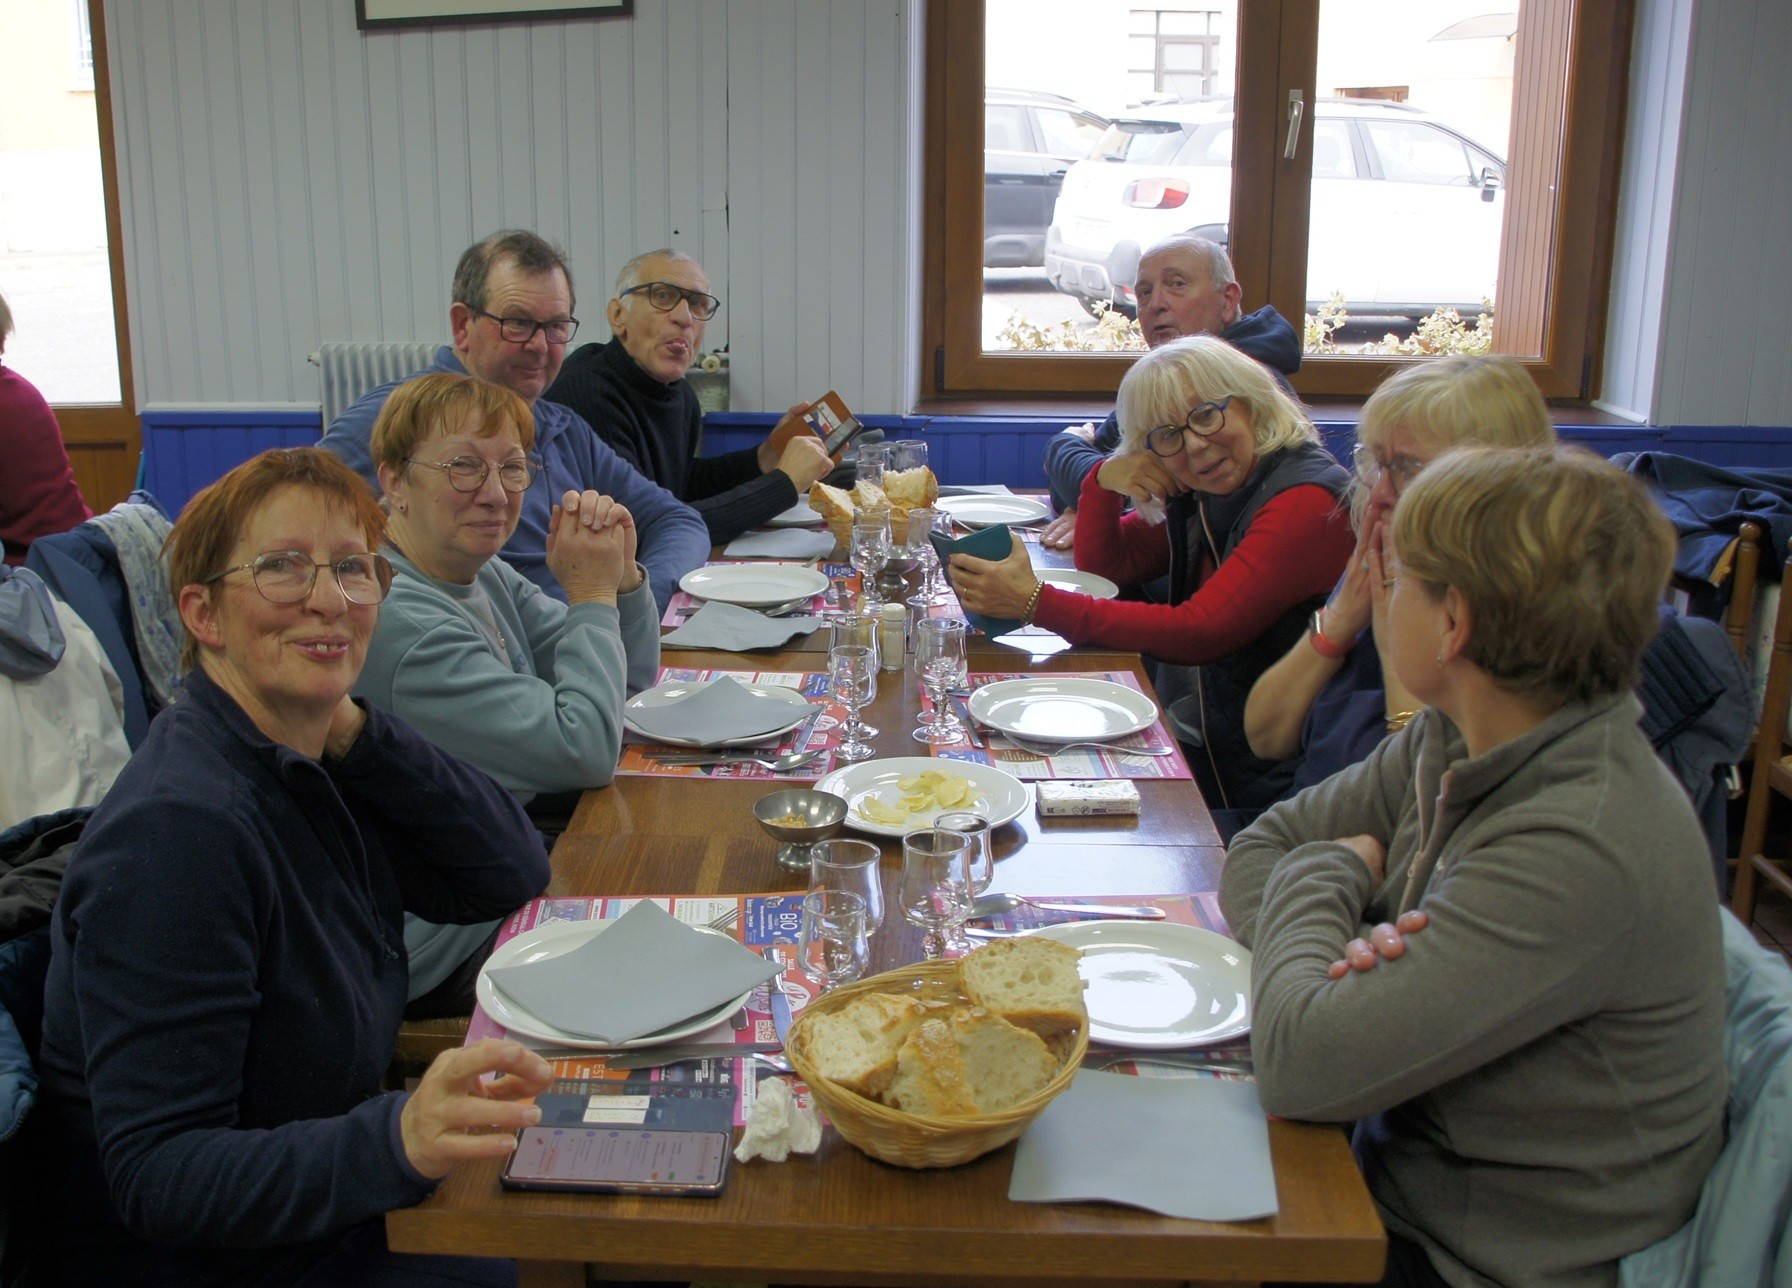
(1028, 980)
(856, 1046)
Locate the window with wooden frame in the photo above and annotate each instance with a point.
(1568, 64)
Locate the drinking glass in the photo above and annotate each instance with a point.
(940, 660)
(852, 675)
(857, 630)
(831, 945)
(936, 886)
(870, 552)
(905, 454)
(872, 459)
(920, 549)
(983, 856)
(851, 866)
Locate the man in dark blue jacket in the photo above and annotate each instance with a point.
(1185, 287)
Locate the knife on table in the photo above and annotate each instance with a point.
(780, 1002)
(652, 1057)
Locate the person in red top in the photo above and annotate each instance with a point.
(38, 492)
(1237, 500)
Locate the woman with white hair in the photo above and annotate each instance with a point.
(1244, 516)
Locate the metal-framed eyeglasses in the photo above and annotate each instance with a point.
(469, 473)
(287, 576)
(1204, 421)
(665, 296)
(1401, 471)
(522, 330)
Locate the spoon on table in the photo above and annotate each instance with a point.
(777, 764)
(995, 905)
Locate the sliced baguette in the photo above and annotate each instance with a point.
(930, 1074)
(830, 502)
(869, 496)
(910, 489)
(1029, 981)
(856, 1046)
(1004, 1064)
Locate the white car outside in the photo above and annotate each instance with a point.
(1405, 210)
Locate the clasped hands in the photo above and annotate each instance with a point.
(591, 547)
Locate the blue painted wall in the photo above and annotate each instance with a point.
(185, 450)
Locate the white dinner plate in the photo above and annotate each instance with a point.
(550, 940)
(800, 515)
(1063, 709)
(676, 690)
(1158, 984)
(753, 585)
(1000, 796)
(1083, 583)
(982, 511)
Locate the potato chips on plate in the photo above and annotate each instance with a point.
(894, 797)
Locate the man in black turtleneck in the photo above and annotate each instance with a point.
(633, 392)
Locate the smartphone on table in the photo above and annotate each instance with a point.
(618, 1160)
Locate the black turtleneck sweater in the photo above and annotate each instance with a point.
(658, 429)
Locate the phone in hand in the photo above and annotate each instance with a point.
(829, 420)
(618, 1160)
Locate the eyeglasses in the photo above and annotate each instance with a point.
(522, 330)
(664, 296)
(287, 576)
(1204, 420)
(469, 473)
(1401, 471)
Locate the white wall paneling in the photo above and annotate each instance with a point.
(287, 180)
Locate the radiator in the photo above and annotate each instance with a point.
(349, 370)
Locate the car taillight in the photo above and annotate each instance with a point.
(1155, 194)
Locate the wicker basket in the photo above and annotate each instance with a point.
(917, 1140)
(841, 527)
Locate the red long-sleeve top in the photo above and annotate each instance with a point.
(1295, 548)
(38, 492)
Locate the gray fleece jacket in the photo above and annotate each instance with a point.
(1540, 1078)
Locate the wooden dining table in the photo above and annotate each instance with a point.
(839, 1217)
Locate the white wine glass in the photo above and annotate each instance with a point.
(870, 552)
(853, 866)
(935, 893)
(940, 662)
(852, 673)
(905, 454)
(919, 547)
(831, 943)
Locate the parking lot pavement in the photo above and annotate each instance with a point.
(63, 341)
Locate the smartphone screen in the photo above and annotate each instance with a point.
(618, 1159)
(830, 419)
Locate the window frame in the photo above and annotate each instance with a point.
(1276, 37)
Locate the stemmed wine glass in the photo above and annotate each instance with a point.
(905, 454)
(936, 886)
(852, 866)
(852, 681)
(831, 943)
(940, 659)
(921, 521)
(872, 460)
(870, 552)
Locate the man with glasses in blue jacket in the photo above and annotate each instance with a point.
(634, 392)
(511, 319)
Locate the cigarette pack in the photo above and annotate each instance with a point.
(1088, 796)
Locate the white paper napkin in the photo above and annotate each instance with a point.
(781, 543)
(646, 971)
(731, 627)
(1196, 1148)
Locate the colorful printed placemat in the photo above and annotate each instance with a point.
(990, 747)
(641, 756)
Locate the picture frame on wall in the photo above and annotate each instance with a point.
(375, 15)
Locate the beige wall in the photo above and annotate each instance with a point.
(39, 111)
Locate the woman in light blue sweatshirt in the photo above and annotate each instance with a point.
(468, 650)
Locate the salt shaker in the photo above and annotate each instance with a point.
(892, 636)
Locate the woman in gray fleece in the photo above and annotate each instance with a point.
(1537, 1080)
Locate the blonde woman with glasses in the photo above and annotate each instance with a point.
(1333, 696)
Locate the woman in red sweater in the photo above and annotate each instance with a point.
(38, 492)
(1239, 503)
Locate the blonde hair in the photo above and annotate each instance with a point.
(443, 402)
(1561, 557)
(1168, 381)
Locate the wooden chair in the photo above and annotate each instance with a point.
(1739, 608)
(1771, 774)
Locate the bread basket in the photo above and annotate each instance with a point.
(917, 1140)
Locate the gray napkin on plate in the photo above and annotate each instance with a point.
(724, 709)
(731, 627)
(1196, 1148)
(645, 972)
(781, 543)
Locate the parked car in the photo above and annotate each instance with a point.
(1405, 212)
(1030, 139)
